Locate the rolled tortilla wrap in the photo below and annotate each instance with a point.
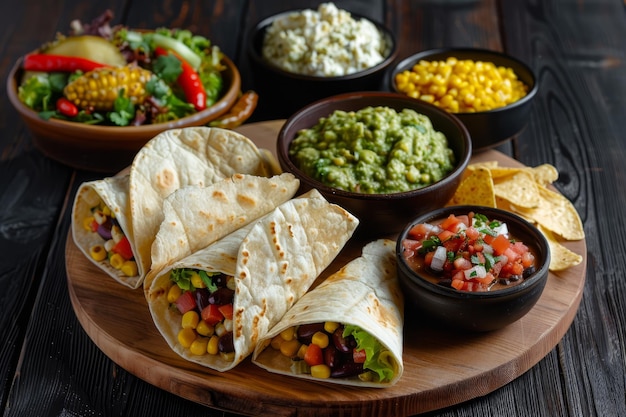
(273, 260)
(364, 293)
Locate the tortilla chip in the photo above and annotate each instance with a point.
(545, 174)
(561, 257)
(519, 188)
(475, 189)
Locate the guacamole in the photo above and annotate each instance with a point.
(375, 150)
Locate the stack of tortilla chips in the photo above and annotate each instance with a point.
(525, 192)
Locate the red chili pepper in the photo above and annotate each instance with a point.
(62, 63)
(66, 107)
(190, 82)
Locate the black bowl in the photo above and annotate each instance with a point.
(488, 128)
(285, 92)
(380, 214)
(475, 311)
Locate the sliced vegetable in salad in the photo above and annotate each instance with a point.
(335, 350)
(106, 75)
(468, 252)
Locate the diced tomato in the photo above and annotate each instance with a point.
(486, 280)
(500, 244)
(445, 235)
(359, 355)
(472, 233)
(458, 284)
(313, 355)
(488, 239)
(528, 259)
(511, 255)
(451, 223)
(226, 310)
(123, 248)
(419, 231)
(462, 263)
(185, 302)
(428, 258)
(211, 314)
(464, 218)
(411, 246)
(94, 226)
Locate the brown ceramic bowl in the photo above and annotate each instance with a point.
(108, 148)
(488, 128)
(380, 214)
(285, 92)
(474, 311)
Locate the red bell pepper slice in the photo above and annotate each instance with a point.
(189, 81)
(61, 63)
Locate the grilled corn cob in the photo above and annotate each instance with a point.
(99, 88)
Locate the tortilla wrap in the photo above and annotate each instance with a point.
(194, 217)
(364, 293)
(178, 158)
(274, 261)
(113, 192)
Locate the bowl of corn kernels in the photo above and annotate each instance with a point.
(92, 98)
(490, 92)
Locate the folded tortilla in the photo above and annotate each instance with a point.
(178, 158)
(113, 192)
(364, 293)
(195, 217)
(274, 261)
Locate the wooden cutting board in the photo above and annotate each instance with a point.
(441, 368)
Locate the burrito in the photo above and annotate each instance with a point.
(347, 330)
(115, 220)
(213, 306)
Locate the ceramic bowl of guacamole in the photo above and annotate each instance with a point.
(382, 156)
(485, 288)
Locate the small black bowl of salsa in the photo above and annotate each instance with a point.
(472, 268)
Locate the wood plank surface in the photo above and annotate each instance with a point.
(442, 367)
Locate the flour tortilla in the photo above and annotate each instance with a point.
(274, 260)
(193, 156)
(113, 192)
(194, 217)
(364, 293)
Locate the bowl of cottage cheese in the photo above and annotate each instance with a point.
(301, 56)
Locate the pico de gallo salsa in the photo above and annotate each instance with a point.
(205, 302)
(334, 350)
(115, 247)
(468, 252)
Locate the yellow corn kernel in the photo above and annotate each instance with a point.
(190, 320)
(212, 346)
(290, 348)
(173, 293)
(129, 268)
(320, 371)
(99, 88)
(228, 357)
(186, 337)
(196, 281)
(117, 261)
(198, 346)
(288, 334)
(331, 326)
(205, 329)
(98, 253)
(87, 222)
(320, 339)
(276, 342)
(301, 351)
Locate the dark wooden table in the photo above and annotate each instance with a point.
(50, 367)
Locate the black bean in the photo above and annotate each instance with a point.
(220, 280)
(306, 331)
(346, 370)
(331, 357)
(202, 297)
(222, 296)
(225, 343)
(529, 271)
(340, 342)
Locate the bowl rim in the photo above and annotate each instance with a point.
(407, 63)
(218, 109)
(259, 28)
(283, 151)
(536, 278)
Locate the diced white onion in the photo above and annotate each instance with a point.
(502, 229)
(487, 249)
(439, 258)
(477, 271)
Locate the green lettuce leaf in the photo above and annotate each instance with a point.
(373, 349)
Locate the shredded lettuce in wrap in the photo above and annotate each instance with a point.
(378, 358)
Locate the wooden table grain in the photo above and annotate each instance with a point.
(50, 367)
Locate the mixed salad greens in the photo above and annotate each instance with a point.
(99, 74)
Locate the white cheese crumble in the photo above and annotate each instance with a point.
(327, 42)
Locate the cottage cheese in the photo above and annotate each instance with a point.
(327, 42)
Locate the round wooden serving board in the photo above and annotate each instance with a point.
(441, 368)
